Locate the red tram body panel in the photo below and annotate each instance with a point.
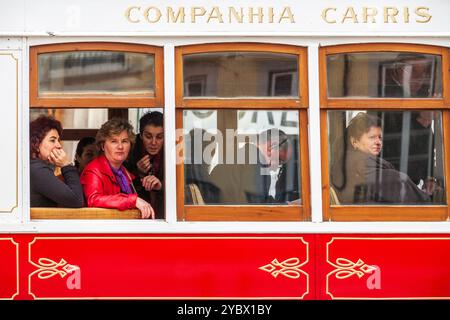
(305, 68)
(205, 266)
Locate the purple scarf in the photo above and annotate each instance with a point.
(123, 182)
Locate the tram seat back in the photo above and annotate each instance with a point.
(193, 194)
(333, 197)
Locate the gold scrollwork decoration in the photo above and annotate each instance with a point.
(48, 268)
(289, 268)
(346, 268)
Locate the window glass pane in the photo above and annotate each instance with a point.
(386, 157)
(236, 157)
(96, 72)
(384, 75)
(240, 74)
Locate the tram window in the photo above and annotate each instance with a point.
(242, 111)
(385, 141)
(96, 72)
(384, 75)
(83, 85)
(80, 126)
(240, 74)
(99, 74)
(386, 157)
(253, 159)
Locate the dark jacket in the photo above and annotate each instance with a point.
(154, 197)
(246, 183)
(420, 148)
(102, 189)
(47, 190)
(363, 178)
(287, 186)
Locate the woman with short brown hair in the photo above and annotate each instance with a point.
(106, 182)
(362, 176)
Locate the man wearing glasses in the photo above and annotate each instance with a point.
(254, 180)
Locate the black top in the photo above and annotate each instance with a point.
(154, 197)
(420, 148)
(246, 183)
(47, 190)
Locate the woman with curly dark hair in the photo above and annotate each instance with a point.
(46, 153)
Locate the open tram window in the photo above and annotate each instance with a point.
(101, 94)
(244, 154)
(78, 140)
(384, 133)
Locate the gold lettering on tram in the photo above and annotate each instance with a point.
(215, 14)
(259, 14)
(238, 16)
(325, 16)
(369, 13)
(152, 14)
(197, 12)
(287, 14)
(253, 15)
(406, 14)
(131, 16)
(389, 15)
(173, 18)
(350, 14)
(423, 13)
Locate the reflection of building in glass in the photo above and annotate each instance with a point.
(96, 71)
(383, 74)
(240, 74)
(409, 75)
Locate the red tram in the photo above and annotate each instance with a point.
(334, 228)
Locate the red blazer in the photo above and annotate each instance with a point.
(101, 188)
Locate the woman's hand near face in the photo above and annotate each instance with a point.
(151, 183)
(145, 208)
(58, 157)
(144, 165)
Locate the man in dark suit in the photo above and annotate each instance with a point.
(249, 182)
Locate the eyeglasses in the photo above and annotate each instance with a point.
(282, 142)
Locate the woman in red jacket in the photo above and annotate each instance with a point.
(106, 183)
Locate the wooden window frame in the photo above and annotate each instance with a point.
(97, 100)
(384, 212)
(117, 106)
(248, 212)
